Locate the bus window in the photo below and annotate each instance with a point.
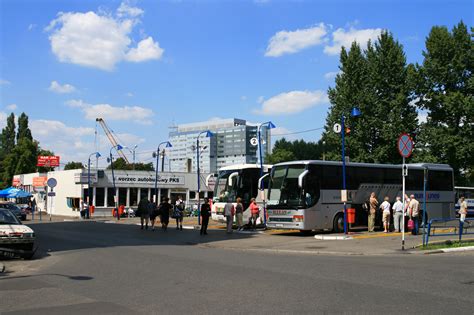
(440, 180)
(311, 186)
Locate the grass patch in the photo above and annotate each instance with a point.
(448, 244)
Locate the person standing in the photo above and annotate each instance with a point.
(374, 204)
(179, 213)
(205, 214)
(144, 210)
(229, 214)
(239, 214)
(165, 208)
(398, 215)
(255, 212)
(32, 205)
(414, 210)
(385, 206)
(462, 209)
(153, 210)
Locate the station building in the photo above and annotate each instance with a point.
(131, 186)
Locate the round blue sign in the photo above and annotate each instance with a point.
(405, 145)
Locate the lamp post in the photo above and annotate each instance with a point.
(89, 192)
(354, 113)
(269, 125)
(118, 147)
(157, 155)
(133, 150)
(208, 134)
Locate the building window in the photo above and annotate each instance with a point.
(133, 197)
(110, 197)
(122, 196)
(99, 196)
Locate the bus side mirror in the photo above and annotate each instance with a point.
(231, 177)
(301, 177)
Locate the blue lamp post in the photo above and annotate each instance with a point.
(269, 125)
(118, 147)
(157, 155)
(208, 134)
(354, 113)
(89, 191)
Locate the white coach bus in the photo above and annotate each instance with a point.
(241, 180)
(306, 195)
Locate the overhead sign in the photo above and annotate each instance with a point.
(254, 141)
(405, 145)
(52, 182)
(337, 128)
(48, 161)
(39, 181)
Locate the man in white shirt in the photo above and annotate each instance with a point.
(385, 206)
(398, 214)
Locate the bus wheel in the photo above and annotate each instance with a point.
(338, 225)
(306, 232)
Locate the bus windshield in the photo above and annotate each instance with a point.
(244, 185)
(284, 189)
(223, 190)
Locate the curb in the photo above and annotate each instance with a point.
(333, 237)
(450, 250)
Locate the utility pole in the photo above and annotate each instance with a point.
(163, 160)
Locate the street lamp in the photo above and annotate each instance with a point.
(157, 155)
(118, 147)
(208, 134)
(355, 112)
(133, 150)
(89, 191)
(269, 125)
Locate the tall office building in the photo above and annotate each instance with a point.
(231, 144)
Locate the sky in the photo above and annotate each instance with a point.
(144, 66)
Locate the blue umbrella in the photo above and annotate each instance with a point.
(12, 192)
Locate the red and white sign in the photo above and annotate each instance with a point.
(405, 145)
(39, 181)
(48, 161)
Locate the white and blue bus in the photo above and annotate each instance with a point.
(241, 180)
(306, 195)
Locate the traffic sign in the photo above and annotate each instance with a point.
(405, 145)
(52, 194)
(254, 141)
(337, 128)
(52, 182)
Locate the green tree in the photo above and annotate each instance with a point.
(8, 135)
(7, 144)
(121, 164)
(280, 155)
(445, 90)
(377, 82)
(23, 129)
(73, 166)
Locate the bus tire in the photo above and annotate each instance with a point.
(338, 224)
(306, 232)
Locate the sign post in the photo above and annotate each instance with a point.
(52, 182)
(405, 148)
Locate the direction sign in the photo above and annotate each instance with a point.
(405, 145)
(52, 182)
(337, 128)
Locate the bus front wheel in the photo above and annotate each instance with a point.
(338, 225)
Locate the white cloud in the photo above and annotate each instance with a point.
(147, 49)
(260, 99)
(61, 89)
(100, 40)
(136, 114)
(4, 82)
(341, 37)
(292, 102)
(12, 107)
(31, 27)
(290, 42)
(422, 116)
(129, 94)
(243, 98)
(331, 75)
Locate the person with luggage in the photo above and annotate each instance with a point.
(165, 209)
(205, 214)
(178, 213)
(414, 210)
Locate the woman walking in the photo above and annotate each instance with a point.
(239, 214)
(205, 214)
(229, 215)
(179, 213)
(165, 209)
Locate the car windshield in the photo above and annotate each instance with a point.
(7, 217)
(284, 189)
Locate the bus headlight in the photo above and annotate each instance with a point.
(298, 218)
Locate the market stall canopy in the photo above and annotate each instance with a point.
(13, 192)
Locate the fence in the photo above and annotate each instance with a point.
(449, 227)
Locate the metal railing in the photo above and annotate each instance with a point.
(449, 227)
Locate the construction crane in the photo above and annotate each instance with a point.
(111, 137)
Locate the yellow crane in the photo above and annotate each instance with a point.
(111, 137)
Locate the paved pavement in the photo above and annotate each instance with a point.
(97, 268)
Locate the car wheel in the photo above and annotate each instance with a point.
(338, 224)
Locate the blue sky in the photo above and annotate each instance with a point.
(145, 65)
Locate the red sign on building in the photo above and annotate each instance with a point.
(48, 161)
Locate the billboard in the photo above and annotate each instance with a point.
(48, 161)
(39, 181)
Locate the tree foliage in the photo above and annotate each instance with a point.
(444, 88)
(285, 150)
(121, 164)
(377, 82)
(73, 166)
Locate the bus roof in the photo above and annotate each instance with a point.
(411, 166)
(244, 166)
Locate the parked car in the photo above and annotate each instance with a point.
(16, 239)
(19, 212)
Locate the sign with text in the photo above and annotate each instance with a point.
(83, 178)
(39, 181)
(48, 161)
(162, 179)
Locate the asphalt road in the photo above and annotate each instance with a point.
(98, 268)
